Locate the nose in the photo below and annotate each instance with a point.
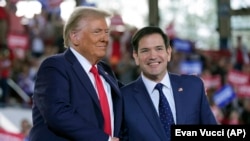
(105, 37)
(152, 54)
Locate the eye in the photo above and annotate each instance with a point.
(144, 50)
(160, 48)
(97, 31)
(107, 31)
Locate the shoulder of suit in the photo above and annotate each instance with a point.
(189, 77)
(53, 58)
(105, 66)
(130, 85)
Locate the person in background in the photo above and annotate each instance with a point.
(239, 54)
(68, 102)
(157, 96)
(4, 55)
(244, 117)
(25, 128)
(6, 59)
(126, 70)
(4, 22)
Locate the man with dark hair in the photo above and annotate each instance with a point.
(158, 98)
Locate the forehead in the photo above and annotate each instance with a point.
(151, 40)
(94, 23)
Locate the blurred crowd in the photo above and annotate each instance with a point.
(24, 44)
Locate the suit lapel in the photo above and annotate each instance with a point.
(110, 80)
(178, 92)
(82, 75)
(147, 107)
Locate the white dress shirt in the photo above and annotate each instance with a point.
(154, 94)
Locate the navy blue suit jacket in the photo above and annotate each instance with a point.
(141, 119)
(66, 106)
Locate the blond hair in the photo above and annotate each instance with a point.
(81, 13)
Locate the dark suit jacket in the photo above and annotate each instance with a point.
(141, 119)
(66, 105)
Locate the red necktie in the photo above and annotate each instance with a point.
(103, 100)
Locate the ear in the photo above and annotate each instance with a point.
(169, 52)
(135, 56)
(74, 38)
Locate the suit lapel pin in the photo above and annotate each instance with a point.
(180, 90)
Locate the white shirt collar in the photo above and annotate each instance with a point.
(150, 85)
(86, 65)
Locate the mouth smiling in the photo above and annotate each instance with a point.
(153, 63)
(102, 46)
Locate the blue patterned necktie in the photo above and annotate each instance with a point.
(165, 112)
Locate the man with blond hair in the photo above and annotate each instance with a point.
(76, 95)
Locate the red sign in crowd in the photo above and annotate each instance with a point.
(237, 79)
(241, 82)
(212, 82)
(18, 41)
